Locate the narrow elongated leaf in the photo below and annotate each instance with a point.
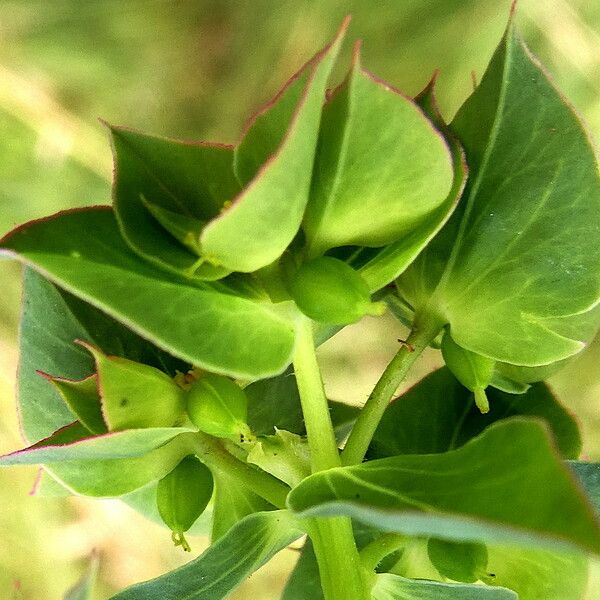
(439, 414)
(389, 262)
(213, 330)
(160, 183)
(73, 442)
(505, 486)
(381, 168)
(394, 587)
(261, 222)
(515, 271)
(221, 568)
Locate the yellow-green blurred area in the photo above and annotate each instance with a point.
(197, 69)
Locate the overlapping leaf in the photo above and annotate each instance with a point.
(274, 162)
(505, 486)
(439, 414)
(381, 169)
(515, 271)
(211, 329)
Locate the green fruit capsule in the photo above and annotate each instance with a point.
(182, 496)
(218, 406)
(331, 291)
(472, 370)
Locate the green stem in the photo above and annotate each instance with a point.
(319, 429)
(372, 554)
(211, 452)
(370, 415)
(340, 570)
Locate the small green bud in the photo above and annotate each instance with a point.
(473, 370)
(182, 496)
(218, 406)
(331, 291)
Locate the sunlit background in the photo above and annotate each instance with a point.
(196, 69)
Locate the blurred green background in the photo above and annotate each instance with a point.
(197, 69)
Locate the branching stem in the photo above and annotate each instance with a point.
(368, 419)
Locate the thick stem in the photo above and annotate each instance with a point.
(340, 569)
(211, 452)
(319, 429)
(370, 415)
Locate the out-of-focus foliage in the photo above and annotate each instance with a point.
(197, 69)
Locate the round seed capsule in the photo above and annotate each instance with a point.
(472, 370)
(182, 496)
(330, 291)
(218, 406)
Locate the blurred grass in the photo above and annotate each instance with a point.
(198, 69)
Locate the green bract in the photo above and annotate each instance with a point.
(168, 344)
(515, 271)
(218, 406)
(329, 291)
(182, 496)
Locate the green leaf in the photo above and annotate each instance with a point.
(285, 455)
(394, 587)
(589, 476)
(389, 262)
(515, 271)
(52, 319)
(119, 476)
(505, 486)
(163, 189)
(381, 168)
(213, 330)
(232, 502)
(304, 583)
(536, 574)
(83, 399)
(459, 561)
(134, 395)
(275, 161)
(84, 588)
(275, 403)
(73, 442)
(439, 414)
(226, 563)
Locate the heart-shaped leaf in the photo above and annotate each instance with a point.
(515, 271)
(439, 414)
(381, 169)
(505, 486)
(275, 162)
(226, 563)
(393, 587)
(222, 332)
